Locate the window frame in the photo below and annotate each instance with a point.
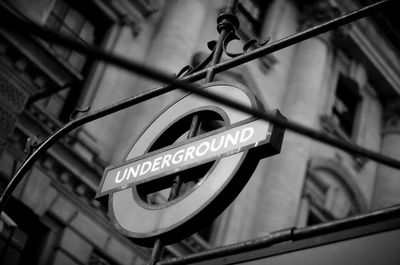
(343, 177)
(344, 67)
(77, 93)
(343, 82)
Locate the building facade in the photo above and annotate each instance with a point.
(345, 83)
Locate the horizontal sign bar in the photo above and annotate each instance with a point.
(199, 150)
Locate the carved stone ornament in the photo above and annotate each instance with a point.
(7, 121)
(13, 98)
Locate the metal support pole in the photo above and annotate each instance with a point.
(174, 193)
(227, 22)
(156, 253)
(225, 25)
(9, 21)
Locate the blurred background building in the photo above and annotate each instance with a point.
(345, 83)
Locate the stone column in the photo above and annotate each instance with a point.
(116, 84)
(387, 183)
(281, 21)
(280, 193)
(171, 49)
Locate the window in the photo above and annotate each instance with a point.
(86, 24)
(70, 22)
(346, 104)
(25, 238)
(328, 199)
(251, 15)
(329, 194)
(12, 241)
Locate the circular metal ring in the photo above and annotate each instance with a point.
(210, 197)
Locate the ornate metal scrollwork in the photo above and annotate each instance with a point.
(232, 36)
(187, 69)
(76, 111)
(32, 143)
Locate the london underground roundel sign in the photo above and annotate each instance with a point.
(214, 166)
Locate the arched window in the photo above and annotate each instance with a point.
(330, 193)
